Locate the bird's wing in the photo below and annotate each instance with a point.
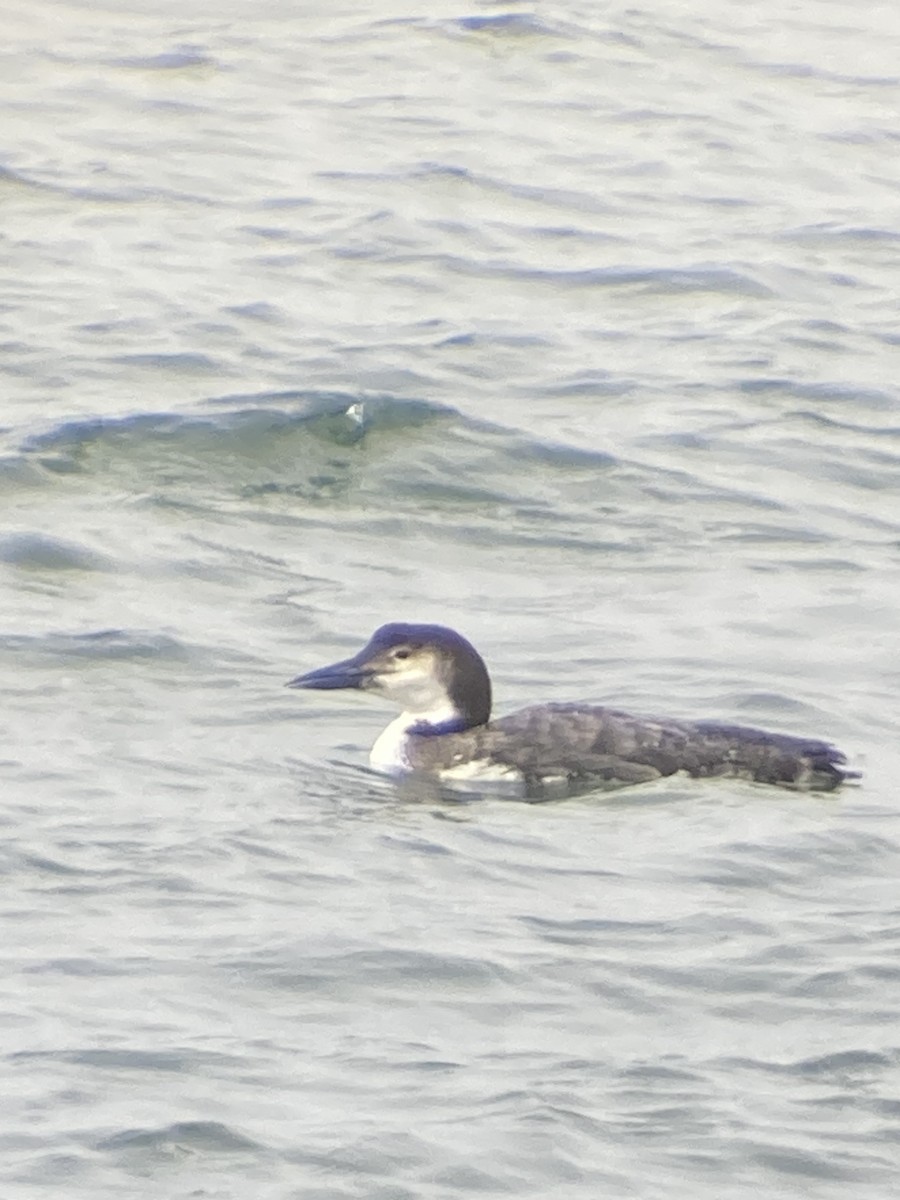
(582, 743)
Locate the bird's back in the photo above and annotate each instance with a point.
(585, 745)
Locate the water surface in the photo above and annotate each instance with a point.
(574, 328)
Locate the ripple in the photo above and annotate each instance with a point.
(198, 1137)
(511, 25)
(188, 363)
(101, 645)
(297, 452)
(41, 552)
(124, 1059)
(382, 970)
(186, 59)
(843, 1064)
(663, 281)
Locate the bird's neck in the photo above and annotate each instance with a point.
(389, 753)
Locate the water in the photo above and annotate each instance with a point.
(574, 328)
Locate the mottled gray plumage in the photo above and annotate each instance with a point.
(580, 743)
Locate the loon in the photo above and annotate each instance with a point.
(445, 730)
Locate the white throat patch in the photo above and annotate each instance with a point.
(389, 754)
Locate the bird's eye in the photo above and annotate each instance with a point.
(402, 653)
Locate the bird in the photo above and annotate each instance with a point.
(445, 731)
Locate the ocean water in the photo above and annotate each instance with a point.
(573, 326)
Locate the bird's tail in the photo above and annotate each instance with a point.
(790, 762)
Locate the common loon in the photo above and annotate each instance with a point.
(445, 731)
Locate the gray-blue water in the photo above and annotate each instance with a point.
(574, 326)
